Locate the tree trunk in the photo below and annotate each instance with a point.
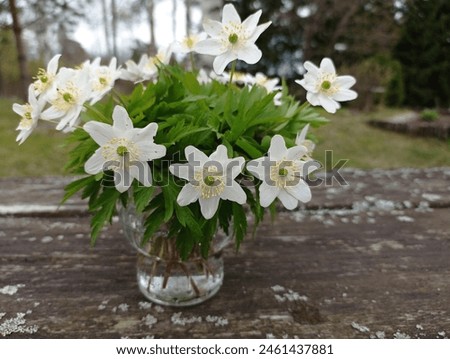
(21, 56)
(114, 27)
(174, 19)
(188, 4)
(151, 23)
(106, 31)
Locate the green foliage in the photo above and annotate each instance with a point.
(188, 113)
(429, 115)
(424, 53)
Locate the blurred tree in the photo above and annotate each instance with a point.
(347, 30)
(424, 52)
(20, 49)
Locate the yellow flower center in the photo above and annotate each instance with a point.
(284, 173)
(117, 149)
(210, 181)
(326, 85)
(66, 97)
(42, 81)
(233, 38)
(122, 150)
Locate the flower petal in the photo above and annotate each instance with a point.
(187, 195)
(345, 81)
(311, 68)
(95, 163)
(296, 152)
(151, 151)
(249, 54)
(122, 179)
(300, 191)
(208, 206)
(210, 47)
(234, 167)
(182, 170)
(277, 149)
(301, 136)
(145, 134)
(220, 154)
(195, 157)
(328, 104)
(142, 172)
(251, 22)
(327, 66)
(257, 168)
(258, 31)
(221, 61)
(267, 194)
(234, 193)
(212, 28)
(121, 120)
(230, 14)
(313, 98)
(52, 66)
(289, 202)
(345, 95)
(100, 132)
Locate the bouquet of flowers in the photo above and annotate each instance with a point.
(191, 152)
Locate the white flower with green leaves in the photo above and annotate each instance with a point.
(301, 140)
(232, 39)
(189, 43)
(72, 89)
(147, 67)
(102, 78)
(123, 149)
(44, 80)
(30, 113)
(282, 174)
(210, 179)
(324, 88)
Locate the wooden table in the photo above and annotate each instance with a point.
(368, 260)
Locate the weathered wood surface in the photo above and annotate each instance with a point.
(371, 259)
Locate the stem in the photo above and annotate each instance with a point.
(191, 58)
(233, 70)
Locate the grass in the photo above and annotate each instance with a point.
(350, 137)
(42, 154)
(347, 134)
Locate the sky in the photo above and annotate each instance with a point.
(92, 38)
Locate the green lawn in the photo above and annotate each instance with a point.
(347, 134)
(350, 137)
(40, 155)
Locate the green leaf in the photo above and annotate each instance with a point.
(76, 186)
(142, 196)
(152, 224)
(103, 208)
(239, 223)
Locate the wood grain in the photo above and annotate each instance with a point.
(372, 255)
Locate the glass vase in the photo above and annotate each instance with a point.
(165, 279)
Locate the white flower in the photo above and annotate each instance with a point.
(270, 84)
(30, 113)
(324, 88)
(44, 80)
(189, 43)
(123, 149)
(72, 89)
(281, 172)
(210, 179)
(240, 78)
(102, 78)
(232, 39)
(203, 78)
(147, 68)
(302, 141)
